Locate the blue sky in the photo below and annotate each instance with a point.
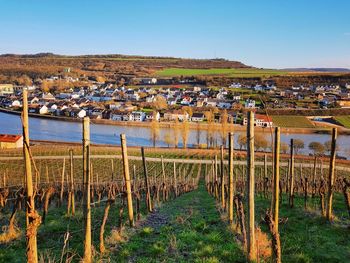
(262, 33)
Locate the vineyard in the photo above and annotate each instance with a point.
(131, 204)
(292, 121)
(343, 120)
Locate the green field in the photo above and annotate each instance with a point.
(228, 72)
(292, 121)
(343, 120)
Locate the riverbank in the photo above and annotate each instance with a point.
(193, 126)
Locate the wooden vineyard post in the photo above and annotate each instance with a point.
(216, 177)
(72, 198)
(231, 192)
(276, 177)
(62, 180)
(250, 187)
(291, 175)
(148, 193)
(127, 179)
(314, 178)
(275, 198)
(86, 179)
(222, 178)
(112, 167)
(331, 175)
(175, 180)
(33, 219)
(164, 180)
(265, 179)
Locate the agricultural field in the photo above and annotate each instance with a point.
(227, 72)
(292, 121)
(343, 120)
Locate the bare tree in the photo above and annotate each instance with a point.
(317, 148)
(198, 134)
(298, 145)
(224, 127)
(184, 133)
(168, 139)
(176, 130)
(154, 129)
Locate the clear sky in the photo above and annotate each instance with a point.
(262, 33)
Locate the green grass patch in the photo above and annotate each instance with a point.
(343, 120)
(308, 237)
(194, 233)
(292, 121)
(229, 72)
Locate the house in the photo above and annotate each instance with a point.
(345, 103)
(235, 85)
(260, 120)
(118, 115)
(96, 113)
(132, 95)
(224, 105)
(186, 100)
(10, 141)
(236, 97)
(43, 110)
(263, 120)
(149, 81)
(176, 114)
(150, 116)
(35, 108)
(48, 96)
(16, 103)
(75, 113)
(138, 115)
(52, 107)
(210, 103)
(249, 104)
(6, 89)
(172, 101)
(197, 117)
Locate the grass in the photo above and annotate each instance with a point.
(306, 236)
(292, 121)
(228, 72)
(343, 120)
(193, 232)
(190, 229)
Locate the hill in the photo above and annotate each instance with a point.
(43, 64)
(334, 70)
(217, 72)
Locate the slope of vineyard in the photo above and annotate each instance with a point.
(187, 222)
(343, 120)
(292, 121)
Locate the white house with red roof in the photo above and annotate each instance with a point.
(260, 120)
(10, 141)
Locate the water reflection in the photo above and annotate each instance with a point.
(41, 129)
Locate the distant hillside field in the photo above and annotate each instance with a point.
(227, 72)
(292, 121)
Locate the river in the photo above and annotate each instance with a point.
(46, 129)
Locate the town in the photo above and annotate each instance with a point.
(167, 100)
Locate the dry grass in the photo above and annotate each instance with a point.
(117, 236)
(263, 244)
(9, 234)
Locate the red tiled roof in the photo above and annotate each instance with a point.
(9, 137)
